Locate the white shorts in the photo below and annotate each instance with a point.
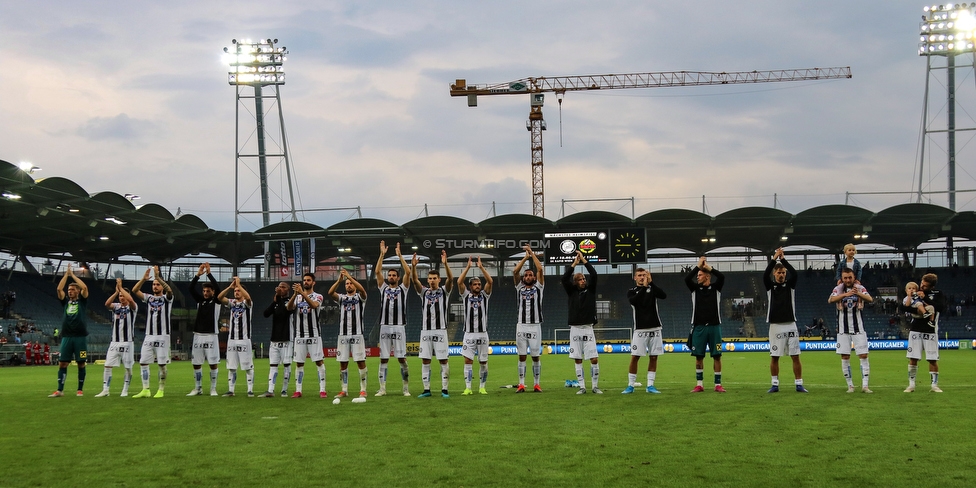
(475, 344)
(155, 349)
(239, 354)
(860, 342)
(205, 347)
(784, 339)
(353, 346)
(120, 353)
(528, 339)
(281, 352)
(308, 346)
(393, 338)
(919, 341)
(433, 341)
(647, 342)
(582, 343)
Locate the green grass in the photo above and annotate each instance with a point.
(745, 437)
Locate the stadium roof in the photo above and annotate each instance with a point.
(54, 216)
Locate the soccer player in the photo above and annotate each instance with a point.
(350, 342)
(393, 318)
(582, 317)
(781, 315)
(433, 326)
(74, 330)
(239, 353)
(647, 340)
(849, 298)
(206, 326)
(528, 331)
(282, 342)
(121, 350)
(928, 305)
(305, 303)
(155, 346)
(705, 283)
(475, 301)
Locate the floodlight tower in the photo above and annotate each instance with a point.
(258, 65)
(946, 31)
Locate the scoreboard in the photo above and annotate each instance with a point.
(614, 246)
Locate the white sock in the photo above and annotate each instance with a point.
(468, 373)
(249, 373)
(631, 379)
(144, 372)
(127, 380)
(650, 377)
(382, 375)
(231, 379)
(536, 371)
(521, 372)
(845, 366)
(198, 378)
(286, 378)
(579, 376)
(344, 378)
(362, 379)
(912, 373)
(595, 375)
(483, 370)
(162, 377)
(106, 378)
(425, 376)
(445, 376)
(213, 379)
(865, 372)
(299, 378)
(272, 378)
(776, 380)
(321, 370)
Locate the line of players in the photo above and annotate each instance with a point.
(295, 329)
(35, 355)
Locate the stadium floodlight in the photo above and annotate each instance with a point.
(28, 168)
(947, 29)
(255, 63)
(132, 196)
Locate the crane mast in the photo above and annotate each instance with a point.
(536, 87)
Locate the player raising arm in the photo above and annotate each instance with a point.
(433, 324)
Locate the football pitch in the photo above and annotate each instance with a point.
(744, 437)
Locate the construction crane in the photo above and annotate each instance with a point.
(536, 87)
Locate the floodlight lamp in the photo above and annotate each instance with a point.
(10, 196)
(103, 238)
(132, 196)
(27, 167)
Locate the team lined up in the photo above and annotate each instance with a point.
(295, 333)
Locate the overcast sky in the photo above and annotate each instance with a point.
(132, 97)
